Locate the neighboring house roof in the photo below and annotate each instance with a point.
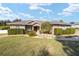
(59, 23)
(36, 23)
(75, 23)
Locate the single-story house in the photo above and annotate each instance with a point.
(28, 25)
(36, 25)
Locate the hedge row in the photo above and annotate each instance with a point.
(69, 31)
(16, 31)
(21, 31)
(60, 31)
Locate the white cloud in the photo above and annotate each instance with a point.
(9, 16)
(7, 13)
(40, 12)
(12, 15)
(5, 10)
(65, 13)
(41, 17)
(0, 4)
(26, 15)
(72, 8)
(38, 6)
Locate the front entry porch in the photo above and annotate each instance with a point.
(32, 28)
(36, 28)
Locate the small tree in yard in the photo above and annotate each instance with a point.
(46, 27)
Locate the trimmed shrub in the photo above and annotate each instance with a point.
(66, 31)
(72, 30)
(16, 31)
(58, 31)
(69, 31)
(31, 33)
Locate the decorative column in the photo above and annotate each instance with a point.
(32, 28)
(53, 31)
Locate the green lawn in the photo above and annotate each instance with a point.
(22, 45)
(4, 27)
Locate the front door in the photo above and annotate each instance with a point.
(36, 28)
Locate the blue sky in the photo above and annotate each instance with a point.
(43, 11)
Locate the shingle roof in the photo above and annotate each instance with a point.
(17, 23)
(33, 22)
(28, 22)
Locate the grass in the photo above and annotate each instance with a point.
(27, 46)
(2, 27)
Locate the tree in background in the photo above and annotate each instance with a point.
(3, 22)
(61, 20)
(46, 27)
(16, 20)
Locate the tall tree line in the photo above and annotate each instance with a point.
(4, 22)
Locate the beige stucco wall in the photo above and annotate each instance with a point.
(17, 27)
(76, 29)
(75, 26)
(28, 28)
(77, 32)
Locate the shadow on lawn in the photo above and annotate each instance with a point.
(71, 50)
(42, 52)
